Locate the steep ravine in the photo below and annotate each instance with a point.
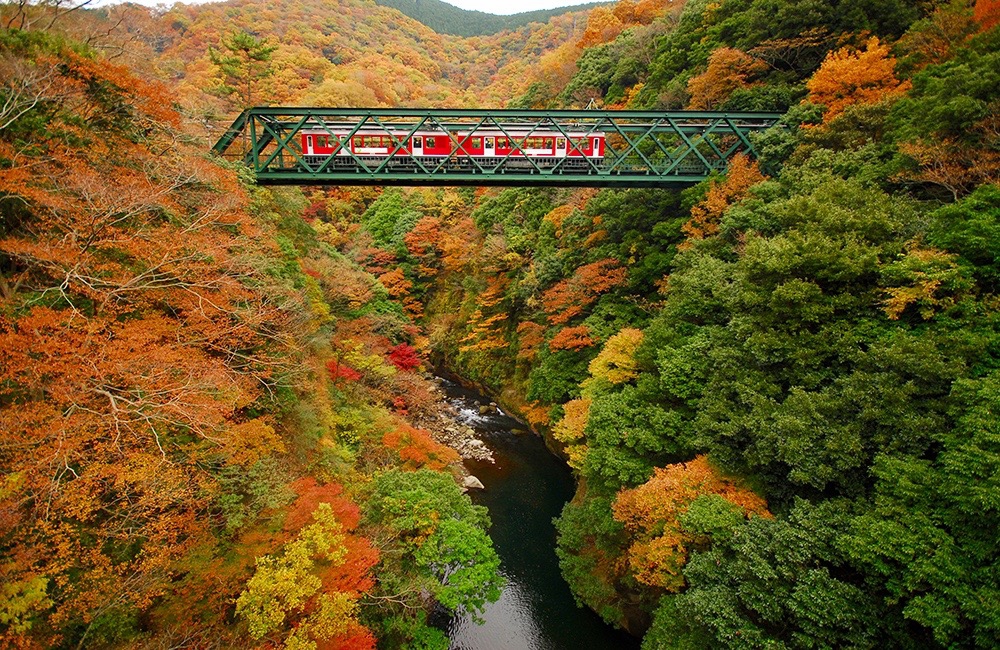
(525, 488)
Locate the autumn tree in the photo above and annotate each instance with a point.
(654, 512)
(417, 449)
(570, 429)
(728, 70)
(706, 216)
(987, 13)
(569, 298)
(616, 362)
(487, 320)
(286, 589)
(947, 125)
(938, 37)
(530, 337)
(602, 26)
(571, 338)
(849, 77)
(145, 337)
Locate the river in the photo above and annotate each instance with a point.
(525, 488)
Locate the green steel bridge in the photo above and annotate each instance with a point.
(641, 148)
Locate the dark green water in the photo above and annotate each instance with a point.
(525, 489)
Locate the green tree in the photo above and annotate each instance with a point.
(244, 61)
(433, 543)
(930, 540)
(769, 583)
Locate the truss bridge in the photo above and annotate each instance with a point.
(504, 147)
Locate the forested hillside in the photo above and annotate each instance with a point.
(207, 413)
(444, 18)
(778, 389)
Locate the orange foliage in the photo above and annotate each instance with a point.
(957, 168)
(399, 287)
(123, 398)
(651, 515)
(706, 216)
(530, 338)
(570, 297)
(572, 338)
(310, 494)
(376, 260)
(849, 77)
(728, 70)
(937, 39)
(423, 242)
(536, 413)
(417, 449)
(602, 26)
(557, 215)
(456, 244)
(987, 13)
(485, 334)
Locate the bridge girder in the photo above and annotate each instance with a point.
(642, 148)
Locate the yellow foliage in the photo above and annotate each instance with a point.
(19, 600)
(569, 430)
(929, 279)
(250, 441)
(283, 583)
(616, 361)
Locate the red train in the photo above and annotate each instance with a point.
(467, 150)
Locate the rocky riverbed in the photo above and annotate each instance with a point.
(450, 423)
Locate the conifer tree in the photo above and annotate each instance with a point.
(244, 62)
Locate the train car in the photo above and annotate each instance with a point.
(491, 148)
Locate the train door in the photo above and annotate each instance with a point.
(418, 145)
(489, 146)
(309, 144)
(560, 148)
(597, 146)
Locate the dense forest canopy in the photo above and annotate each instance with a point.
(444, 18)
(778, 389)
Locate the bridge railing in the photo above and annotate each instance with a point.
(642, 148)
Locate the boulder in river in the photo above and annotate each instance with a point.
(472, 483)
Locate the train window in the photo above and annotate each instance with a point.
(430, 142)
(561, 144)
(502, 143)
(418, 142)
(477, 143)
(309, 141)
